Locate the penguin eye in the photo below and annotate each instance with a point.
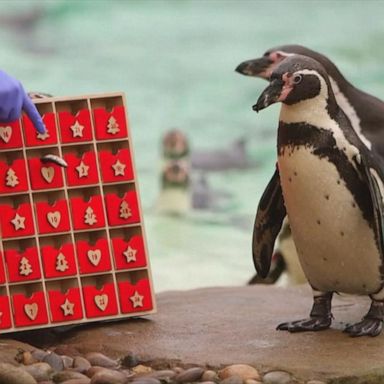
(297, 79)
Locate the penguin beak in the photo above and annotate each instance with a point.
(270, 95)
(256, 67)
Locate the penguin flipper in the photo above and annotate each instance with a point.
(376, 188)
(269, 219)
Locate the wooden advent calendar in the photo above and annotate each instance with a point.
(72, 241)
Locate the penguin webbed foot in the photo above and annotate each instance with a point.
(306, 325)
(320, 316)
(372, 323)
(366, 327)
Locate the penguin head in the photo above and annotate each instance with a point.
(264, 66)
(295, 79)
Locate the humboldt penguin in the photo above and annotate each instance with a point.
(365, 112)
(331, 187)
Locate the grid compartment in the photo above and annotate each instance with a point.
(72, 244)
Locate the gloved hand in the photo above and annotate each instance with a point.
(13, 100)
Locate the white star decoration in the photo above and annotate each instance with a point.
(77, 129)
(43, 136)
(137, 300)
(18, 222)
(130, 254)
(119, 168)
(82, 169)
(67, 307)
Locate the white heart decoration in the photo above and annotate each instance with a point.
(6, 133)
(31, 310)
(101, 301)
(48, 173)
(54, 218)
(94, 256)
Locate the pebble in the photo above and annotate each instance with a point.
(93, 370)
(67, 361)
(189, 375)
(39, 354)
(277, 377)
(77, 381)
(251, 381)
(63, 376)
(242, 370)
(96, 358)
(130, 360)
(178, 370)
(10, 374)
(163, 374)
(235, 379)
(40, 371)
(28, 359)
(315, 382)
(108, 376)
(208, 382)
(81, 364)
(210, 376)
(146, 380)
(55, 361)
(141, 369)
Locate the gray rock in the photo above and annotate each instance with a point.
(235, 379)
(10, 374)
(67, 361)
(210, 376)
(277, 377)
(40, 371)
(66, 375)
(55, 361)
(130, 360)
(81, 364)
(96, 358)
(108, 376)
(39, 354)
(191, 374)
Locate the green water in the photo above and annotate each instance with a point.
(175, 61)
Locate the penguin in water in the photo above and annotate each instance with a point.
(331, 187)
(365, 112)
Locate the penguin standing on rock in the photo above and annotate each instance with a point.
(331, 187)
(364, 111)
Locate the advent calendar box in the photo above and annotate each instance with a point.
(72, 241)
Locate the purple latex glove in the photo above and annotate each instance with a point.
(13, 100)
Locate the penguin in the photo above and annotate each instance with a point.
(330, 185)
(365, 112)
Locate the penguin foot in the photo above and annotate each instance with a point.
(306, 325)
(366, 327)
(372, 323)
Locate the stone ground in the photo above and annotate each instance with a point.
(220, 326)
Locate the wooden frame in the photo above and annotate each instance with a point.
(72, 245)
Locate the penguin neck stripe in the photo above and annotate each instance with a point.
(322, 143)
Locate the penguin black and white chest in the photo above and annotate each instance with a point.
(331, 187)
